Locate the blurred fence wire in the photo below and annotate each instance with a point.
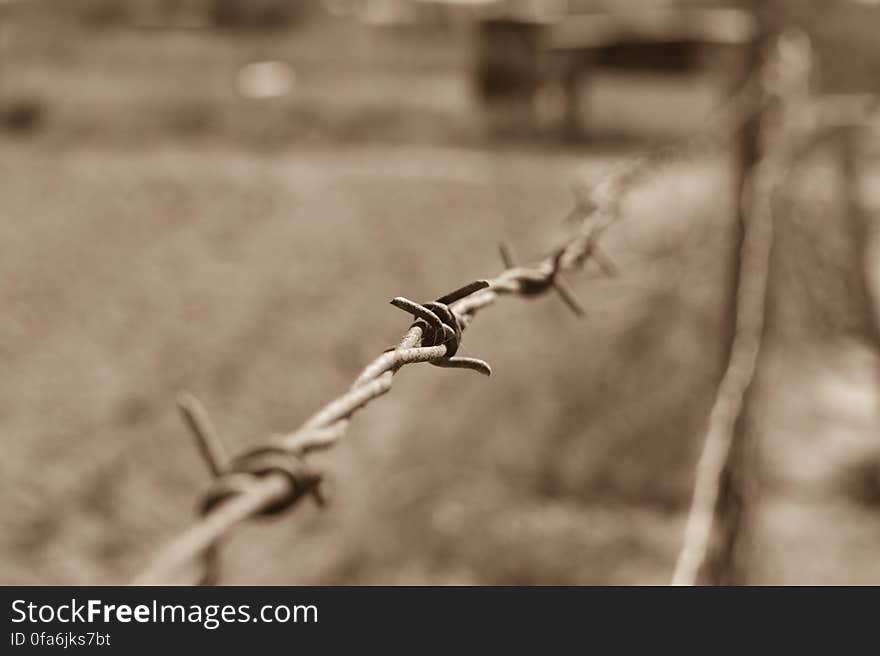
(273, 477)
(792, 123)
(786, 83)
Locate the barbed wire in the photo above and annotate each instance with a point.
(274, 476)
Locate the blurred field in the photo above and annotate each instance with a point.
(254, 268)
(261, 282)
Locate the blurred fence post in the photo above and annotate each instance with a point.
(727, 562)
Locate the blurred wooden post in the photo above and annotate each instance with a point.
(508, 74)
(727, 562)
(575, 72)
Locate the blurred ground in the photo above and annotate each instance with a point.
(161, 233)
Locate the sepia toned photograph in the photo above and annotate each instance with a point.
(439, 293)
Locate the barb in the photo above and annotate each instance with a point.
(440, 326)
(538, 283)
(196, 417)
(787, 80)
(208, 441)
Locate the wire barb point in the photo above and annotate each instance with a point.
(462, 292)
(508, 255)
(568, 297)
(474, 364)
(196, 417)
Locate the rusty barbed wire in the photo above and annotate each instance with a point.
(273, 477)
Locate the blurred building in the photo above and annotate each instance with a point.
(186, 13)
(532, 57)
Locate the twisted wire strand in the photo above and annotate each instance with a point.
(594, 213)
(325, 428)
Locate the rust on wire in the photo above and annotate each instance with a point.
(441, 327)
(273, 477)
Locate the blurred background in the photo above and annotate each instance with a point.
(222, 196)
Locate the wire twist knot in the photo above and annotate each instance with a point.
(441, 326)
(259, 462)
